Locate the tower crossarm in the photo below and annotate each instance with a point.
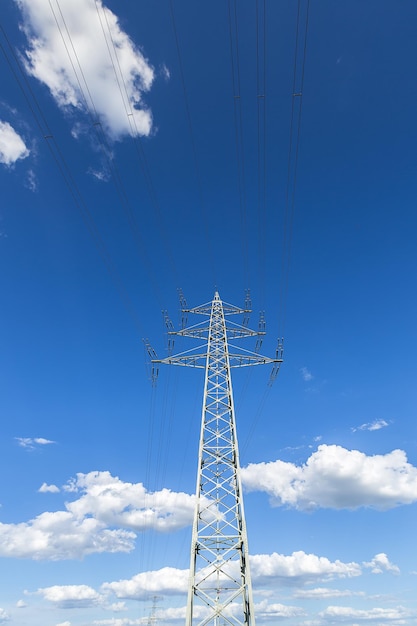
(198, 360)
(236, 331)
(228, 309)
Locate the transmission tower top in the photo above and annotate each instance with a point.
(238, 357)
(220, 588)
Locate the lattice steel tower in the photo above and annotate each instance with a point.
(220, 589)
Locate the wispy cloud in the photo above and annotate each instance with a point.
(349, 615)
(321, 593)
(33, 442)
(165, 72)
(31, 181)
(90, 65)
(306, 374)
(12, 146)
(375, 425)
(102, 175)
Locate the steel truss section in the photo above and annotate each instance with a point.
(220, 589)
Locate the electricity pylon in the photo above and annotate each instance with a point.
(220, 588)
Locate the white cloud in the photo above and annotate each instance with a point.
(102, 175)
(321, 593)
(59, 535)
(265, 611)
(12, 146)
(45, 488)
(71, 596)
(380, 563)
(64, 624)
(165, 72)
(299, 565)
(21, 604)
(334, 477)
(117, 607)
(125, 621)
(393, 615)
(4, 617)
(306, 374)
(266, 568)
(101, 520)
(130, 505)
(166, 581)
(31, 181)
(375, 425)
(32, 442)
(88, 58)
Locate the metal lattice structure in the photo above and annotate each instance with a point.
(220, 589)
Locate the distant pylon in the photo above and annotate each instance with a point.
(220, 588)
(152, 615)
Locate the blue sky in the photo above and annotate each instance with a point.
(130, 169)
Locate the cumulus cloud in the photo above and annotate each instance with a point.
(21, 604)
(71, 596)
(89, 64)
(117, 607)
(33, 442)
(45, 488)
(59, 535)
(102, 519)
(380, 564)
(4, 617)
(334, 477)
(300, 566)
(375, 425)
(129, 505)
(12, 146)
(265, 611)
(166, 581)
(394, 615)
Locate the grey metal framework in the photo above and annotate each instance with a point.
(220, 589)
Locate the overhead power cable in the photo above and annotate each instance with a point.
(45, 131)
(143, 161)
(261, 144)
(206, 220)
(239, 142)
(96, 125)
(293, 154)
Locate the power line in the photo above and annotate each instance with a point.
(206, 220)
(261, 144)
(238, 121)
(41, 122)
(102, 140)
(144, 164)
(293, 154)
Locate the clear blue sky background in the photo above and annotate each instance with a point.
(108, 209)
